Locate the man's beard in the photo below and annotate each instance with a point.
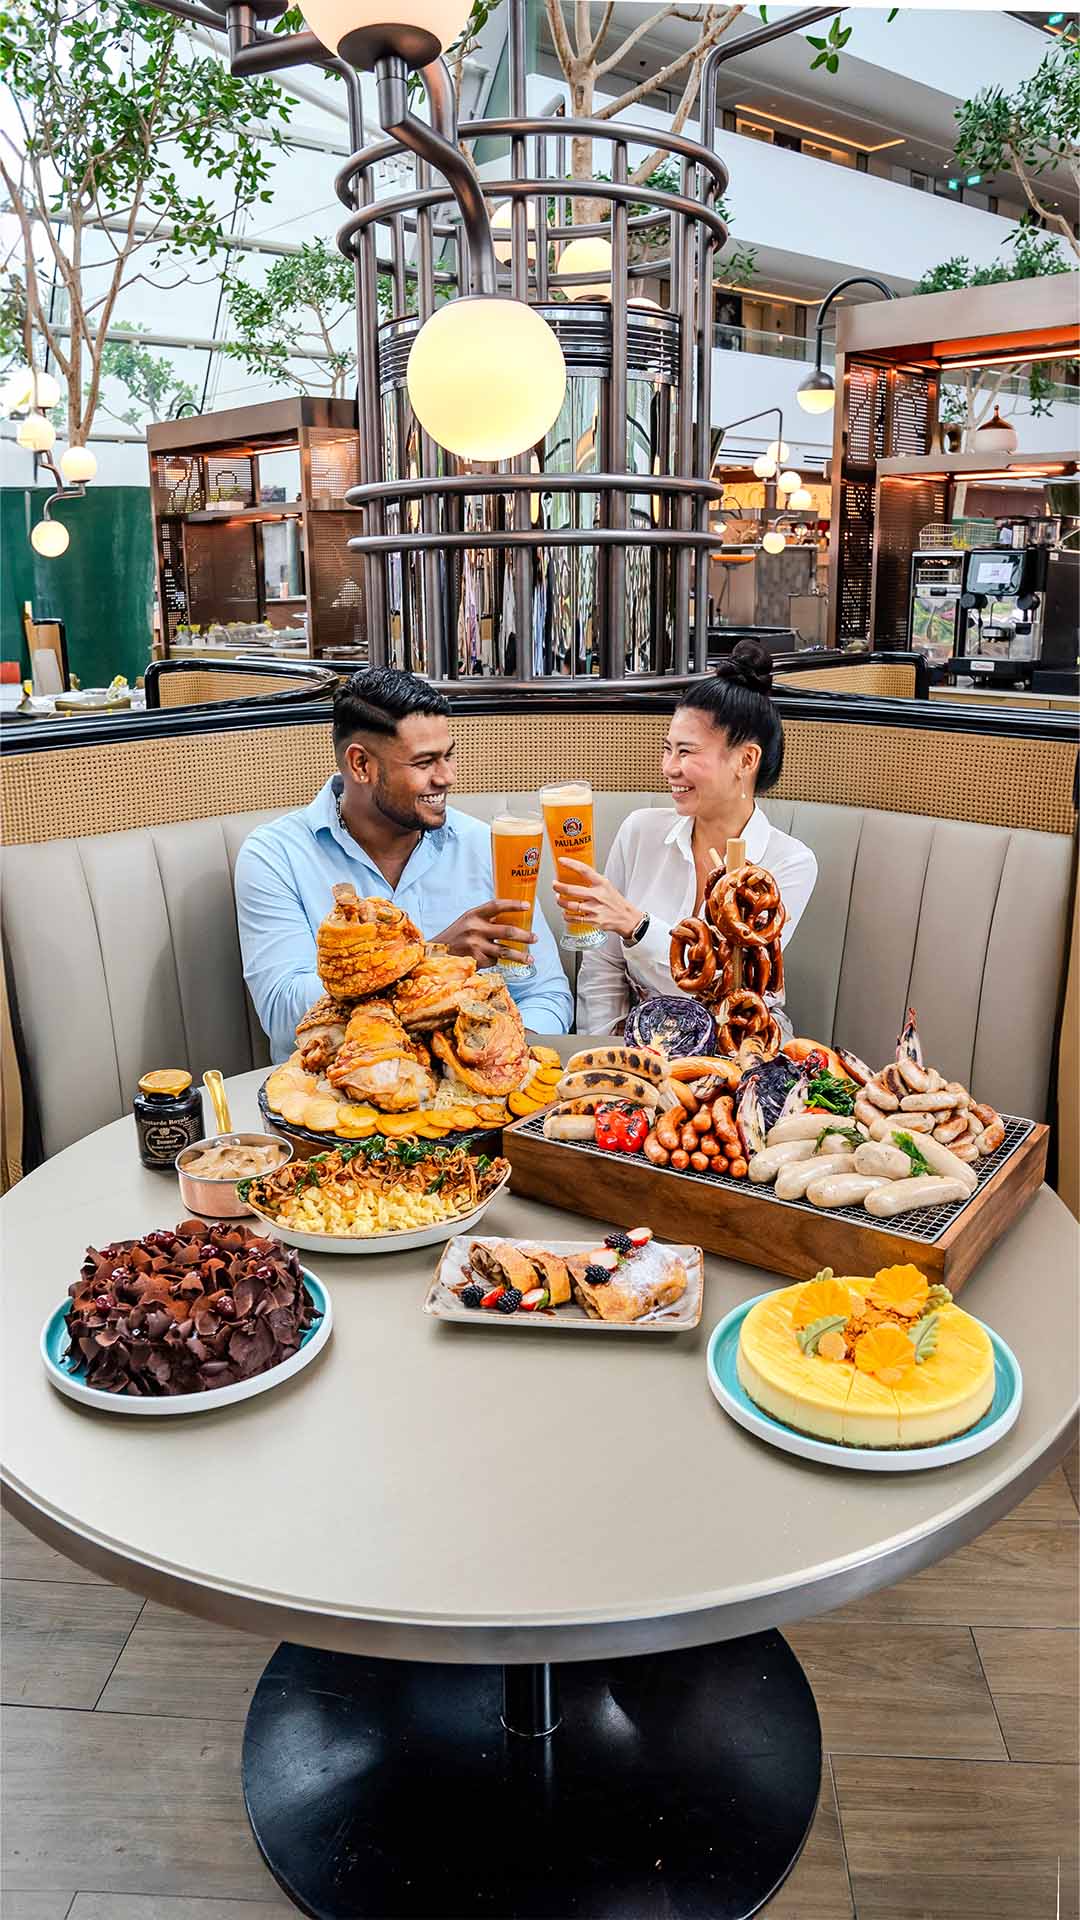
(408, 822)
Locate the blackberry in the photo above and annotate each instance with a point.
(620, 1243)
(471, 1296)
(510, 1301)
(597, 1276)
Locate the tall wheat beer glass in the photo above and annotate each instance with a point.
(568, 817)
(516, 843)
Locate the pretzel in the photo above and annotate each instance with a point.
(693, 958)
(746, 906)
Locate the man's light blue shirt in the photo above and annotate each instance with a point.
(285, 873)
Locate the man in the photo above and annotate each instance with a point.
(382, 823)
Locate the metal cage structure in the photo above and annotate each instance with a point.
(587, 556)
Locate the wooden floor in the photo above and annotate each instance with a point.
(949, 1707)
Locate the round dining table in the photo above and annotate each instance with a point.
(528, 1583)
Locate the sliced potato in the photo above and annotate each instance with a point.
(547, 1057)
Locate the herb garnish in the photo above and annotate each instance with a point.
(829, 1091)
(907, 1144)
(848, 1133)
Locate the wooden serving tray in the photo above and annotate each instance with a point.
(790, 1237)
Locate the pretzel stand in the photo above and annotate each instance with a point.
(730, 956)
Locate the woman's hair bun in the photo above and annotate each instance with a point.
(749, 665)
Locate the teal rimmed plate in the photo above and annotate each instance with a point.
(1001, 1414)
(67, 1381)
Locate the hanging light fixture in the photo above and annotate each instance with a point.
(764, 467)
(800, 500)
(46, 391)
(590, 254)
(50, 538)
(788, 481)
(77, 465)
(486, 377)
(817, 394)
(36, 433)
(359, 31)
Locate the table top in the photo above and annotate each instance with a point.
(429, 1491)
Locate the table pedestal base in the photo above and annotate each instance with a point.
(679, 1785)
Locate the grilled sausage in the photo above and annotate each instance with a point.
(793, 1180)
(900, 1196)
(647, 1062)
(569, 1126)
(943, 1161)
(767, 1164)
(876, 1156)
(611, 1084)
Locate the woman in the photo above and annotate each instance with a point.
(725, 745)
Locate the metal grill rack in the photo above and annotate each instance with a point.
(924, 1223)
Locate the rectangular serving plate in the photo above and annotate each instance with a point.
(792, 1237)
(444, 1304)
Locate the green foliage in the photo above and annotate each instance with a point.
(1034, 253)
(830, 48)
(155, 387)
(1037, 126)
(304, 294)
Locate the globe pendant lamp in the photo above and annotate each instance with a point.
(50, 538)
(817, 393)
(502, 232)
(77, 465)
(788, 481)
(590, 254)
(800, 500)
(773, 541)
(36, 433)
(997, 435)
(486, 377)
(764, 467)
(360, 32)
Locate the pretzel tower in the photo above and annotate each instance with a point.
(731, 956)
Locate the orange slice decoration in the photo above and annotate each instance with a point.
(818, 1299)
(900, 1290)
(886, 1352)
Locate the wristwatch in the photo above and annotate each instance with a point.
(634, 939)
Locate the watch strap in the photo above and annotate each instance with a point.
(639, 932)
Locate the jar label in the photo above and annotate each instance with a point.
(163, 1139)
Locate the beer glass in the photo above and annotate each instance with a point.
(568, 817)
(516, 842)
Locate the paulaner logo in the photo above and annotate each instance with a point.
(532, 857)
(573, 825)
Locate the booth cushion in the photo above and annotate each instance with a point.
(123, 952)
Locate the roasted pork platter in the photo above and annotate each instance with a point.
(407, 1040)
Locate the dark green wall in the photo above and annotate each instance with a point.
(102, 588)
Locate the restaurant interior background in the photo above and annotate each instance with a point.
(846, 169)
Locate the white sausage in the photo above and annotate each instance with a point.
(767, 1164)
(917, 1123)
(880, 1096)
(943, 1161)
(570, 1126)
(843, 1189)
(900, 1196)
(878, 1157)
(797, 1126)
(942, 1102)
(793, 1180)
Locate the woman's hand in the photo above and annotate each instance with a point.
(593, 898)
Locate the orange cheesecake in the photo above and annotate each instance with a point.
(887, 1361)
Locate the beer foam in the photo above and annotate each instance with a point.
(575, 795)
(514, 823)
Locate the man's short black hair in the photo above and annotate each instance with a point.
(376, 698)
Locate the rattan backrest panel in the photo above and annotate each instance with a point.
(887, 679)
(73, 791)
(1003, 782)
(198, 688)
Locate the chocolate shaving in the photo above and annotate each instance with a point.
(184, 1311)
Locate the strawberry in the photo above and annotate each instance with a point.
(538, 1297)
(640, 1236)
(491, 1299)
(606, 1258)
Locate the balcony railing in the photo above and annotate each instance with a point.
(775, 346)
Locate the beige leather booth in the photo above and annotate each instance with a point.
(123, 952)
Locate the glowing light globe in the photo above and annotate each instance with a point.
(502, 229)
(817, 393)
(361, 33)
(486, 377)
(773, 541)
(764, 467)
(78, 464)
(50, 538)
(788, 481)
(801, 500)
(588, 255)
(36, 433)
(46, 390)
(778, 450)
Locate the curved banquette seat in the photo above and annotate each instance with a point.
(123, 954)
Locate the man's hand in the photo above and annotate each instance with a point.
(482, 935)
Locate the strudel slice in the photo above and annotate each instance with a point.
(650, 1279)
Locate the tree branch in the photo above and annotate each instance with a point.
(559, 35)
(620, 53)
(601, 35)
(695, 53)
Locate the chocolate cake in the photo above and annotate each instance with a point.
(185, 1310)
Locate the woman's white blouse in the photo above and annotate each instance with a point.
(652, 865)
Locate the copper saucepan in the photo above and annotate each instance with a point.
(215, 1196)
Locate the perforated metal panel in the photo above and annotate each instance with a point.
(335, 586)
(904, 507)
(888, 413)
(335, 465)
(221, 574)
